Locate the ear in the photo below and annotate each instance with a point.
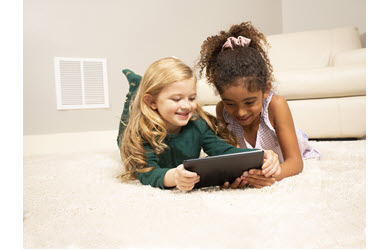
(266, 93)
(149, 100)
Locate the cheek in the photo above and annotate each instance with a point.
(257, 108)
(167, 107)
(193, 106)
(229, 109)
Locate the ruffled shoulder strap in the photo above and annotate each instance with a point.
(264, 110)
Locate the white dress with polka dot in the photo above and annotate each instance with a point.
(266, 138)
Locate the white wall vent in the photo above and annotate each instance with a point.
(81, 83)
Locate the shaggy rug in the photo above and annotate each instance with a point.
(74, 200)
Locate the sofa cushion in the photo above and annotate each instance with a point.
(310, 49)
(342, 81)
(331, 117)
(350, 57)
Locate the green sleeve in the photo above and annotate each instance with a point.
(134, 81)
(155, 177)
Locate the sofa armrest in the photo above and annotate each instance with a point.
(349, 57)
(206, 94)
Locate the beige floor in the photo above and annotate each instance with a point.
(75, 200)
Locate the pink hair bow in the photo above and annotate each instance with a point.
(236, 42)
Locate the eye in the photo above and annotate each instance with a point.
(176, 99)
(192, 98)
(249, 103)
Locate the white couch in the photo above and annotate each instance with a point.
(322, 74)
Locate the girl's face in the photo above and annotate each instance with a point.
(176, 104)
(242, 105)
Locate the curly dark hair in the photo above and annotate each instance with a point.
(250, 65)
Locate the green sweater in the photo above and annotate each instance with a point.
(185, 145)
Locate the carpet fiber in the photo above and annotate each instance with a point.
(76, 201)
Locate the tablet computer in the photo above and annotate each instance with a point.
(216, 170)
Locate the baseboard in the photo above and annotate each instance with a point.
(69, 142)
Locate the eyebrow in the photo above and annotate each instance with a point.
(246, 99)
(181, 94)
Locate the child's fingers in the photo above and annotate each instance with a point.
(236, 183)
(266, 163)
(260, 180)
(271, 170)
(268, 172)
(185, 187)
(271, 163)
(256, 178)
(277, 173)
(225, 185)
(185, 173)
(255, 172)
(185, 178)
(187, 184)
(258, 185)
(243, 184)
(269, 158)
(188, 180)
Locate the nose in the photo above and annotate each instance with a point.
(241, 112)
(185, 104)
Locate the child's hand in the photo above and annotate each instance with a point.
(185, 180)
(256, 179)
(259, 178)
(238, 183)
(271, 165)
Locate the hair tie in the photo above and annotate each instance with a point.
(232, 42)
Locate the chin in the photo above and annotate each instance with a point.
(183, 123)
(244, 123)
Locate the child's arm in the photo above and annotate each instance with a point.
(183, 179)
(282, 121)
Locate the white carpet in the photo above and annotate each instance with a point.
(73, 200)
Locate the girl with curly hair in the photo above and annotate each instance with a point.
(166, 126)
(236, 63)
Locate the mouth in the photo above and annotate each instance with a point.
(183, 115)
(243, 119)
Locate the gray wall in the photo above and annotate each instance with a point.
(132, 34)
(300, 15)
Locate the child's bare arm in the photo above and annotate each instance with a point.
(282, 121)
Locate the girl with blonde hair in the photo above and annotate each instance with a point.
(166, 126)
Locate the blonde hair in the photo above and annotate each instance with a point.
(145, 124)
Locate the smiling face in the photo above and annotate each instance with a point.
(242, 105)
(176, 104)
